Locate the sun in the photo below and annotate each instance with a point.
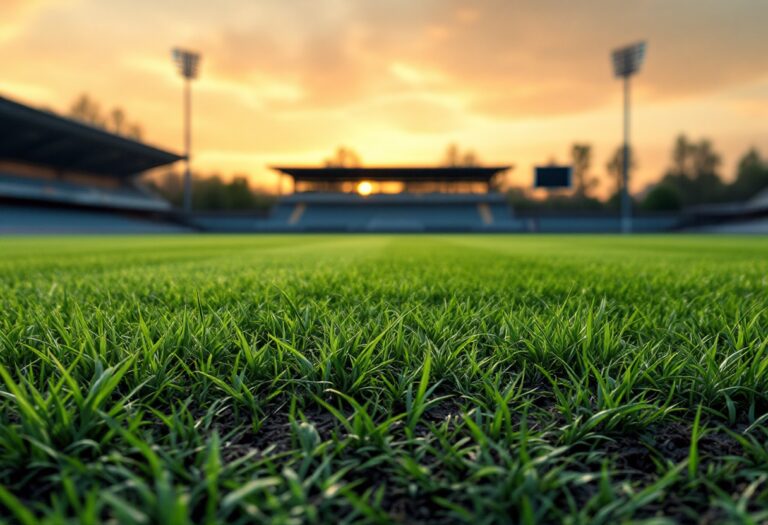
(364, 188)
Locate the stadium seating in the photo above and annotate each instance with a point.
(489, 213)
(400, 212)
(126, 196)
(598, 224)
(39, 219)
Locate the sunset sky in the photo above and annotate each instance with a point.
(287, 81)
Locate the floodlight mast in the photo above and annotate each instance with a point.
(187, 62)
(626, 62)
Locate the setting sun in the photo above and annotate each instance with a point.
(365, 188)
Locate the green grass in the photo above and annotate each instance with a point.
(365, 379)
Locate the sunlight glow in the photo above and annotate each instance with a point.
(364, 188)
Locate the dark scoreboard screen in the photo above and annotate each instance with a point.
(552, 177)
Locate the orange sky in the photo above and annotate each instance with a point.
(287, 81)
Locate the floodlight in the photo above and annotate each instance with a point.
(626, 62)
(187, 62)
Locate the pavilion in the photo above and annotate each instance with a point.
(403, 198)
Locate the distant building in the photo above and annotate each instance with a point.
(736, 217)
(470, 179)
(60, 175)
(395, 199)
(411, 199)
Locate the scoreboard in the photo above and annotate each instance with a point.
(552, 177)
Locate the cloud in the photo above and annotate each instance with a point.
(521, 59)
(298, 77)
(512, 59)
(16, 14)
(13, 13)
(414, 114)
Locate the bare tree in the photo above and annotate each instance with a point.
(469, 159)
(451, 155)
(581, 157)
(455, 158)
(615, 167)
(117, 120)
(87, 110)
(134, 131)
(343, 158)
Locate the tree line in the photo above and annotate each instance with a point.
(692, 179)
(212, 192)
(86, 109)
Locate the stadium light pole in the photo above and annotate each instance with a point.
(626, 62)
(187, 62)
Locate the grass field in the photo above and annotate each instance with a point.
(357, 379)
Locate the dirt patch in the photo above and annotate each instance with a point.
(633, 458)
(412, 509)
(672, 442)
(448, 411)
(274, 435)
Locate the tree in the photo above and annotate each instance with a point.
(751, 177)
(117, 120)
(682, 153)
(581, 158)
(212, 193)
(615, 167)
(663, 197)
(705, 160)
(87, 110)
(343, 158)
(134, 131)
(451, 157)
(694, 172)
(469, 159)
(454, 158)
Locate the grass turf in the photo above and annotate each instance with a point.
(353, 379)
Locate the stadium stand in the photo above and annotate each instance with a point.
(326, 200)
(60, 175)
(25, 219)
(449, 199)
(750, 217)
(129, 197)
(426, 212)
(599, 223)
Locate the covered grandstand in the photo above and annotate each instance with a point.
(410, 199)
(59, 175)
(734, 217)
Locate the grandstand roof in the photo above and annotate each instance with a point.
(44, 138)
(404, 173)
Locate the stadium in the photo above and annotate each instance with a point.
(62, 176)
(205, 318)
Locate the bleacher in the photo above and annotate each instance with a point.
(15, 219)
(126, 195)
(399, 212)
(58, 175)
(599, 223)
